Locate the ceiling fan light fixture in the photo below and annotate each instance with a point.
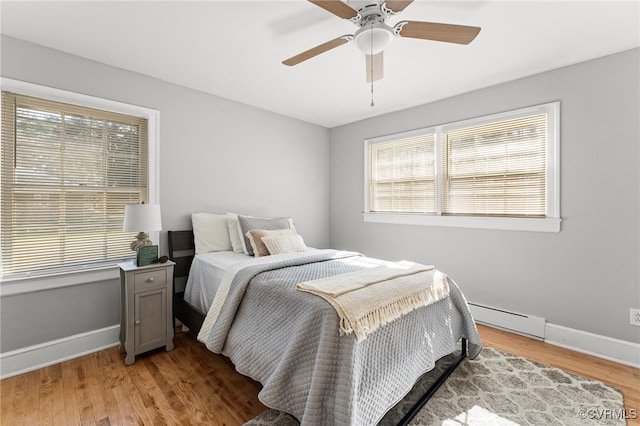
(372, 39)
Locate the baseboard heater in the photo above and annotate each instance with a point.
(519, 323)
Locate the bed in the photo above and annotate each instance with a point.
(288, 340)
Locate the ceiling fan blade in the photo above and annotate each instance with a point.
(449, 33)
(397, 5)
(337, 7)
(375, 66)
(314, 51)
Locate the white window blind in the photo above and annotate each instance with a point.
(500, 171)
(496, 169)
(403, 175)
(67, 172)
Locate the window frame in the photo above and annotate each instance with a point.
(36, 281)
(551, 221)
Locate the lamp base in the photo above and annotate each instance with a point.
(142, 240)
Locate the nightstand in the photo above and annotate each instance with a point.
(146, 303)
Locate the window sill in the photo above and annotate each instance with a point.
(31, 284)
(497, 223)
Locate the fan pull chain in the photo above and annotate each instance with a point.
(372, 103)
(371, 59)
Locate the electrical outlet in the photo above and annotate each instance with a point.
(634, 316)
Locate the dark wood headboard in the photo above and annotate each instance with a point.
(182, 251)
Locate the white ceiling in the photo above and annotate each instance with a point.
(234, 49)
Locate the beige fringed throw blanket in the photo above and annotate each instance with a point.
(368, 299)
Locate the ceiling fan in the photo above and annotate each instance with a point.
(374, 35)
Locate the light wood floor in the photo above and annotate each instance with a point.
(191, 385)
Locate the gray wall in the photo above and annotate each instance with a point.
(587, 276)
(216, 155)
(230, 156)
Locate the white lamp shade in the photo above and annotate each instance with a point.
(142, 218)
(373, 39)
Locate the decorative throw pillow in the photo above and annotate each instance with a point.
(250, 223)
(210, 232)
(256, 236)
(277, 244)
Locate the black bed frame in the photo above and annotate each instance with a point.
(182, 251)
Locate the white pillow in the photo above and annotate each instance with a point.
(277, 244)
(210, 232)
(235, 233)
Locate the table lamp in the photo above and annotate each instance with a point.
(142, 218)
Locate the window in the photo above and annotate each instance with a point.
(67, 172)
(497, 172)
(403, 175)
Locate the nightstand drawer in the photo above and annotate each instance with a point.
(150, 279)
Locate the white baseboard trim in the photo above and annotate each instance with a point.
(620, 351)
(42, 355)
